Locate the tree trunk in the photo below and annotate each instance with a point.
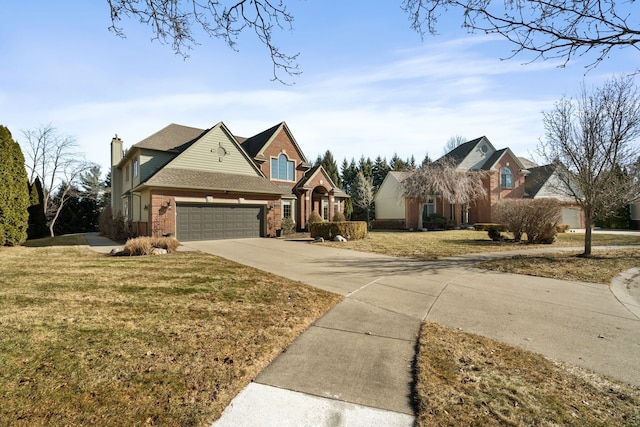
(588, 223)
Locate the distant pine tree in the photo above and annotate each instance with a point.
(37, 219)
(14, 192)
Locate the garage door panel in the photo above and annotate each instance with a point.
(207, 222)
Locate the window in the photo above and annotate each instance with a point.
(506, 178)
(282, 168)
(325, 209)
(429, 208)
(288, 207)
(126, 175)
(135, 168)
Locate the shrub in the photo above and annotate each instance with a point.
(562, 228)
(485, 226)
(388, 224)
(513, 214)
(115, 228)
(314, 218)
(494, 234)
(338, 217)
(351, 230)
(144, 245)
(288, 226)
(537, 218)
(435, 221)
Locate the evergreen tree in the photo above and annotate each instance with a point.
(426, 159)
(349, 172)
(397, 164)
(330, 165)
(366, 167)
(37, 218)
(411, 163)
(14, 192)
(380, 170)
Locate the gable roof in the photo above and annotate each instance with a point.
(337, 191)
(171, 138)
(461, 152)
(204, 180)
(536, 179)
(255, 145)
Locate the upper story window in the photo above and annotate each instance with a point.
(506, 177)
(135, 168)
(282, 168)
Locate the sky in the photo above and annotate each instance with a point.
(370, 85)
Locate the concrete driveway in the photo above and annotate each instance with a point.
(354, 365)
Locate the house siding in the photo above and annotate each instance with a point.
(389, 201)
(204, 155)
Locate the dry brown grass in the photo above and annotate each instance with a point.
(468, 380)
(89, 339)
(145, 245)
(440, 244)
(601, 267)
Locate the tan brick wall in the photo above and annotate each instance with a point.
(281, 143)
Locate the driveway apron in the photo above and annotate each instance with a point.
(354, 365)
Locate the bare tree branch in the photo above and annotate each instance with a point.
(551, 29)
(593, 141)
(173, 21)
(54, 159)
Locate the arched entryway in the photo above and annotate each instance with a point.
(321, 202)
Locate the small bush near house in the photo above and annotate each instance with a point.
(351, 230)
(314, 218)
(115, 227)
(338, 217)
(494, 234)
(563, 228)
(288, 226)
(388, 224)
(435, 221)
(145, 245)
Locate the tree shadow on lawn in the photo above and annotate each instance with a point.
(65, 240)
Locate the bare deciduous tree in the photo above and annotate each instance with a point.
(54, 159)
(443, 178)
(454, 142)
(593, 141)
(362, 193)
(172, 21)
(548, 28)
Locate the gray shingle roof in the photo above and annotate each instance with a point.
(537, 177)
(254, 144)
(215, 181)
(171, 138)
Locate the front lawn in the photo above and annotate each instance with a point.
(468, 380)
(89, 339)
(440, 244)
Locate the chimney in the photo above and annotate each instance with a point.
(116, 150)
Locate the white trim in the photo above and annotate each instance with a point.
(215, 200)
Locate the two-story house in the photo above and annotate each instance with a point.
(201, 184)
(503, 178)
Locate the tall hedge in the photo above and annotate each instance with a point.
(37, 219)
(14, 192)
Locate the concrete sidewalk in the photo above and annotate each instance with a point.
(358, 358)
(354, 366)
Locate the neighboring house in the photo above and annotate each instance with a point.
(505, 177)
(635, 215)
(389, 201)
(542, 182)
(201, 184)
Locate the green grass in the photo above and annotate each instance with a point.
(89, 339)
